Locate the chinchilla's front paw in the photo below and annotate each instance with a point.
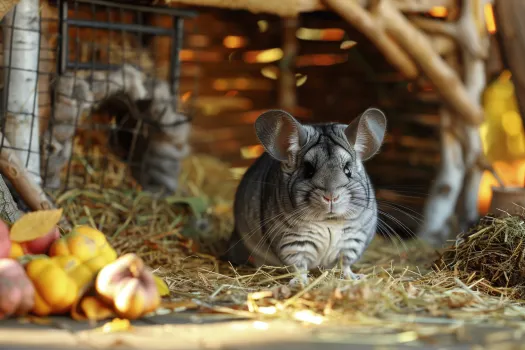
(301, 280)
(350, 275)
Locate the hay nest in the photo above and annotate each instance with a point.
(493, 250)
(401, 288)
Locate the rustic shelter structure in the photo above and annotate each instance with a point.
(423, 62)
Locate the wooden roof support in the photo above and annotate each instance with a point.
(287, 80)
(417, 45)
(292, 8)
(457, 184)
(385, 21)
(357, 16)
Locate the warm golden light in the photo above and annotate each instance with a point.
(267, 310)
(490, 19)
(197, 40)
(241, 83)
(220, 84)
(511, 173)
(308, 316)
(329, 34)
(251, 152)
(438, 11)
(270, 72)
(237, 173)
(263, 26)
(260, 325)
(511, 123)
(347, 44)
(503, 139)
(234, 42)
(301, 79)
(231, 93)
(264, 56)
(187, 55)
(320, 60)
(186, 96)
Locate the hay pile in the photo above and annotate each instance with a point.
(177, 235)
(493, 250)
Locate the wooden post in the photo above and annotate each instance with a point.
(287, 88)
(21, 58)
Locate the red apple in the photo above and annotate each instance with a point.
(41, 245)
(5, 243)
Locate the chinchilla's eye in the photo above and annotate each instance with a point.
(347, 170)
(309, 170)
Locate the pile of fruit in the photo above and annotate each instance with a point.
(79, 273)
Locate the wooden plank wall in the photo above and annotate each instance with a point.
(229, 62)
(340, 84)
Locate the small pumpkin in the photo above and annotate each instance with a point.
(86, 244)
(129, 286)
(55, 290)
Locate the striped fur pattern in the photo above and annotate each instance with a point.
(307, 201)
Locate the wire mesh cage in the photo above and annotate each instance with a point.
(91, 93)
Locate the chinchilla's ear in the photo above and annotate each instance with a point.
(280, 133)
(366, 133)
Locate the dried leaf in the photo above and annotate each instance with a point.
(178, 306)
(116, 325)
(347, 44)
(301, 79)
(198, 205)
(93, 309)
(270, 72)
(162, 287)
(34, 225)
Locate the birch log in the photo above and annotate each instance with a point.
(474, 62)
(22, 181)
(438, 212)
(440, 206)
(8, 209)
(21, 56)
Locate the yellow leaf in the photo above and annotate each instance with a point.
(162, 287)
(300, 79)
(116, 325)
(270, 72)
(34, 225)
(347, 44)
(95, 310)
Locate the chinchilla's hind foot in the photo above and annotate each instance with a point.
(348, 274)
(301, 280)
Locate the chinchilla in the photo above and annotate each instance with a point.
(307, 201)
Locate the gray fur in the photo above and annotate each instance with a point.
(285, 217)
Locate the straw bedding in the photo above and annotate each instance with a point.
(479, 278)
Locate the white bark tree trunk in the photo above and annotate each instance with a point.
(21, 55)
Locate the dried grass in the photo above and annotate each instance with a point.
(401, 287)
(493, 250)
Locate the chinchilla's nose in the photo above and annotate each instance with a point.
(330, 198)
